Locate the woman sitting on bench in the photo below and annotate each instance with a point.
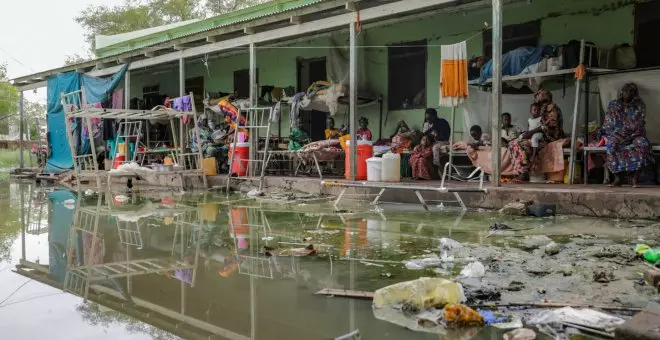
(628, 149)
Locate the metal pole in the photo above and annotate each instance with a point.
(182, 92)
(497, 90)
(127, 90)
(451, 141)
(576, 112)
(253, 116)
(353, 100)
(23, 226)
(253, 75)
(20, 129)
(585, 157)
(29, 138)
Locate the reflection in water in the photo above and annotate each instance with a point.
(195, 268)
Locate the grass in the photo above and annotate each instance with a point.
(9, 159)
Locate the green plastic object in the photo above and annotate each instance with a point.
(652, 256)
(641, 248)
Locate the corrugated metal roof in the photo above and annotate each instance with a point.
(103, 41)
(240, 16)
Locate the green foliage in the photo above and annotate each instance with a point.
(73, 59)
(135, 15)
(8, 99)
(224, 6)
(10, 223)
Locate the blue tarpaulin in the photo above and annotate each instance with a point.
(514, 62)
(96, 89)
(60, 220)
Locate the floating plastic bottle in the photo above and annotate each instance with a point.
(652, 256)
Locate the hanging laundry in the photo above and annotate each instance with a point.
(118, 99)
(454, 78)
(294, 115)
(183, 104)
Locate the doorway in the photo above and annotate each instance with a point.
(308, 72)
(196, 86)
(647, 23)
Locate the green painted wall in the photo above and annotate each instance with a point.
(600, 21)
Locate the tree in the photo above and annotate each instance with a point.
(73, 59)
(135, 15)
(8, 100)
(31, 112)
(224, 6)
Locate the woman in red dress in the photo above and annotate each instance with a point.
(421, 159)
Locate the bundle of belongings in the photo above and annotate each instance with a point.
(325, 150)
(225, 107)
(320, 96)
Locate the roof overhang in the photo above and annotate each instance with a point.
(324, 18)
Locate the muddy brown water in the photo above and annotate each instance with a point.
(198, 268)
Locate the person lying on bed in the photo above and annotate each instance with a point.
(421, 159)
(402, 138)
(331, 132)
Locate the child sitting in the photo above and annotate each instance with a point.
(363, 132)
(421, 159)
(534, 132)
(330, 131)
(479, 138)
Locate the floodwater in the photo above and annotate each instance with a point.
(200, 265)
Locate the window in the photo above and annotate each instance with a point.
(151, 89)
(406, 85)
(150, 97)
(514, 36)
(647, 24)
(242, 83)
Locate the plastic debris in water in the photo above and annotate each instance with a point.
(255, 193)
(449, 244)
(474, 269)
(462, 316)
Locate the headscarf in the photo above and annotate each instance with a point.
(551, 116)
(631, 91)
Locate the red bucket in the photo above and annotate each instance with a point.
(240, 165)
(120, 158)
(364, 151)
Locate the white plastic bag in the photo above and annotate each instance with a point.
(449, 244)
(584, 317)
(473, 270)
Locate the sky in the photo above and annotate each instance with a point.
(37, 35)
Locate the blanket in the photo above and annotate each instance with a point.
(482, 158)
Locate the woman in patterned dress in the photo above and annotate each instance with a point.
(552, 122)
(628, 149)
